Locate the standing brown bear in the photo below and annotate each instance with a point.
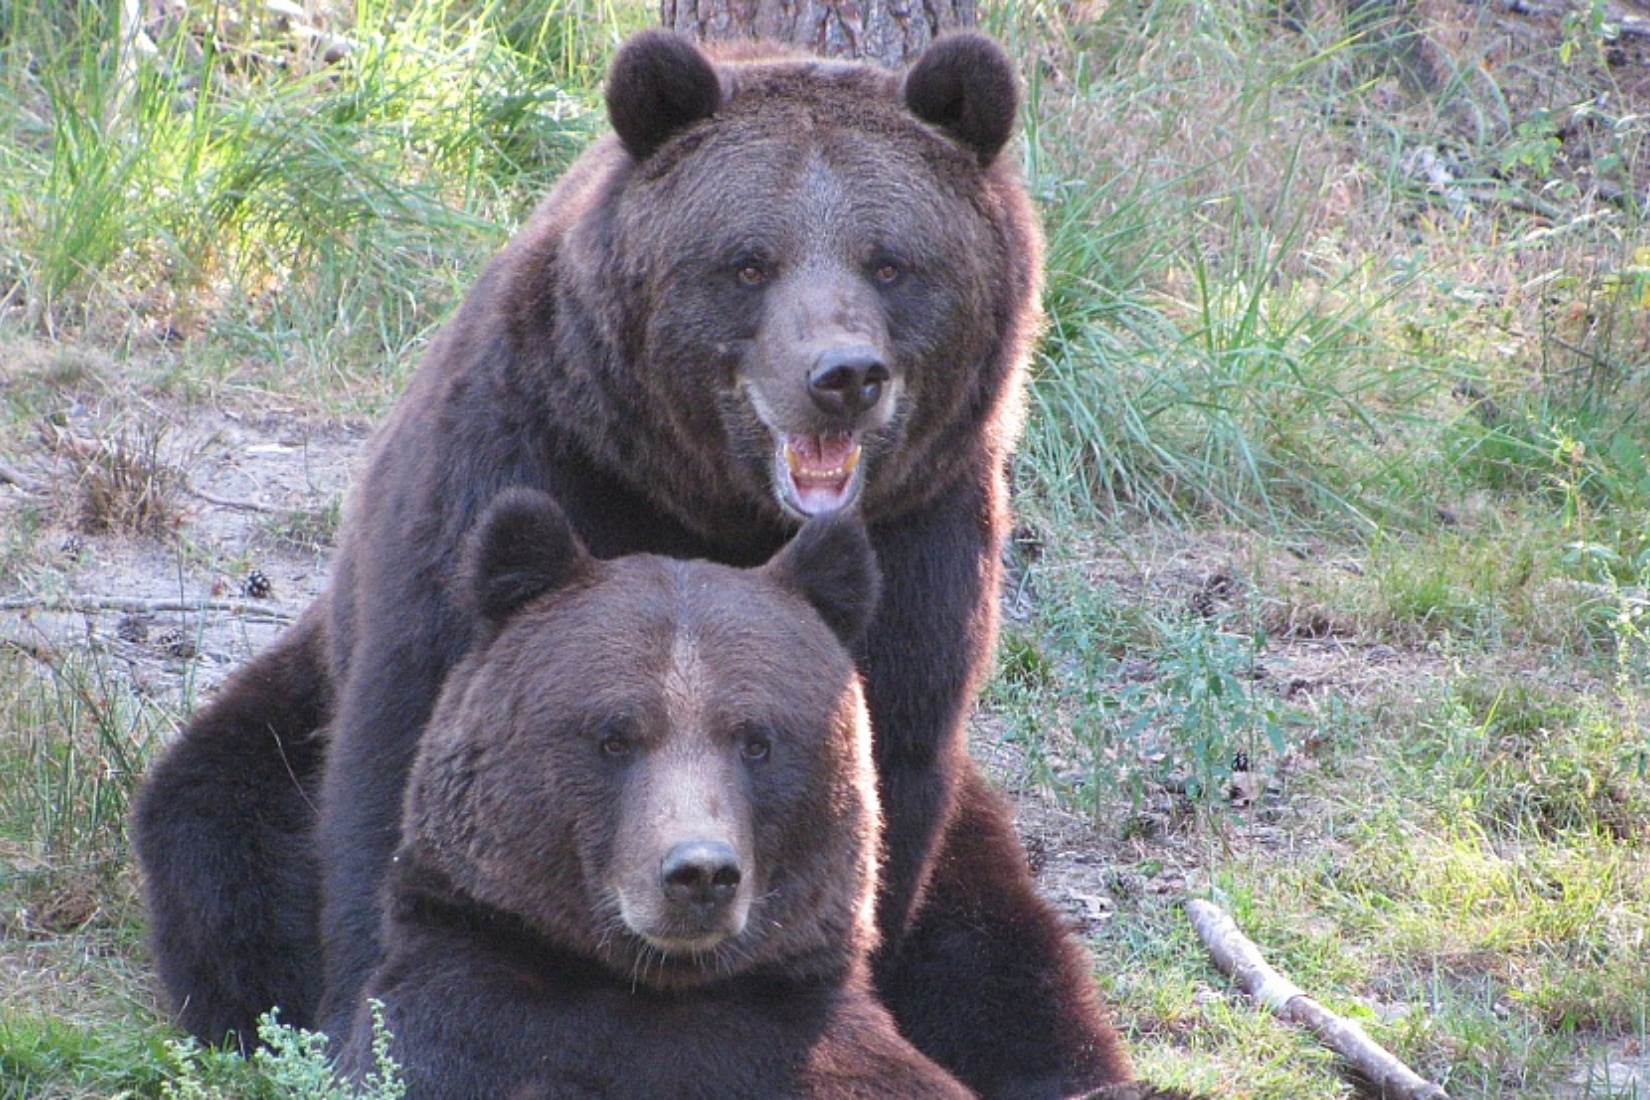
(782, 287)
(641, 835)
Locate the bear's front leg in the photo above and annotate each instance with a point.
(979, 971)
(222, 828)
(987, 980)
(925, 654)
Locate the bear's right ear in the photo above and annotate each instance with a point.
(659, 84)
(521, 547)
(831, 564)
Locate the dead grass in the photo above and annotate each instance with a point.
(127, 482)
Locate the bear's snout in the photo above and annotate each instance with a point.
(700, 875)
(685, 869)
(698, 897)
(847, 381)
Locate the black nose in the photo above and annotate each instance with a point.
(847, 381)
(700, 873)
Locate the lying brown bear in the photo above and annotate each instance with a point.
(640, 844)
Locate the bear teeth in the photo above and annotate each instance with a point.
(803, 471)
(816, 474)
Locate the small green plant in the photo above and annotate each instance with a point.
(1534, 144)
(1209, 705)
(1111, 705)
(1624, 581)
(1585, 30)
(309, 529)
(292, 1064)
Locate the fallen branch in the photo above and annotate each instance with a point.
(230, 502)
(23, 481)
(1238, 957)
(134, 606)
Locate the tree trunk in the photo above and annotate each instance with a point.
(890, 31)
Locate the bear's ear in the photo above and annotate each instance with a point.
(521, 547)
(831, 564)
(659, 84)
(964, 84)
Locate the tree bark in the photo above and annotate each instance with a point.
(888, 31)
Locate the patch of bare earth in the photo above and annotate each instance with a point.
(255, 498)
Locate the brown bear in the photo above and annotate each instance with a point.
(781, 287)
(641, 834)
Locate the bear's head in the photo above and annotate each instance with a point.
(826, 267)
(659, 765)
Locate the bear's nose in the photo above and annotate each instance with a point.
(700, 873)
(847, 381)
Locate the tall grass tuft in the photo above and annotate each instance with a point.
(1210, 352)
(315, 193)
(77, 737)
(1248, 319)
(127, 482)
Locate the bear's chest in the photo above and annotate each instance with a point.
(721, 1044)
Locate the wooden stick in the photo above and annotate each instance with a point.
(1239, 958)
(14, 476)
(229, 502)
(132, 605)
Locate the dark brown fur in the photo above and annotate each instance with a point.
(606, 718)
(653, 350)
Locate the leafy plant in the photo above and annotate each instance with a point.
(292, 1064)
(1112, 708)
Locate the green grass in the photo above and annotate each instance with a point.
(1338, 458)
(77, 739)
(1422, 409)
(311, 218)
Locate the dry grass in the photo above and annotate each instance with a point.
(127, 482)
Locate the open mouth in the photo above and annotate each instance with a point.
(816, 474)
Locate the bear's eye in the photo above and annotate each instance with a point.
(887, 273)
(752, 274)
(615, 745)
(755, 749)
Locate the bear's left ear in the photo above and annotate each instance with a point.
(831, 564)
(521, 547)
(658, 85)
(964, 84)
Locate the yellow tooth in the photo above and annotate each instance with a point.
(794, 461)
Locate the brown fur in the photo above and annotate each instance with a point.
(703, 319)
(615, 713)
